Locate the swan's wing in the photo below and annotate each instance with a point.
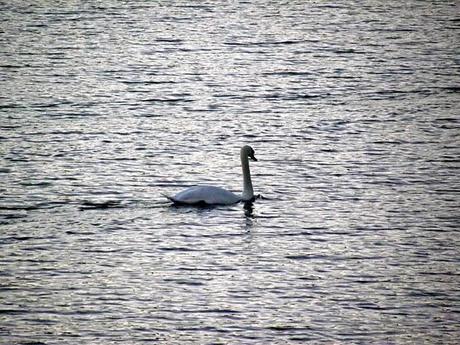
(209, 195)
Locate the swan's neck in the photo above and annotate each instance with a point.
(248, 192)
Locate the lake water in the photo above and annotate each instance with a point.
(353, 111)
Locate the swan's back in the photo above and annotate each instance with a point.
(209, 195)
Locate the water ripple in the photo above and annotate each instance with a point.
(353, 116)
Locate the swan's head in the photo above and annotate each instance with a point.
(248, 151)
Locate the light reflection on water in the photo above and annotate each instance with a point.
(353, 116)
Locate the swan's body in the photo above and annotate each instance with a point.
(210, 195)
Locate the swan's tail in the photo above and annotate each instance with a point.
(175, 201)
(170, 198)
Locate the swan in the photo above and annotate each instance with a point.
(210, 195)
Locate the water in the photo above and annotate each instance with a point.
(352, 110)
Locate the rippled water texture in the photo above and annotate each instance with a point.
(353, 111)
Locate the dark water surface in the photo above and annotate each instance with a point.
(353, 110)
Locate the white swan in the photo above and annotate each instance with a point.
(211, 195)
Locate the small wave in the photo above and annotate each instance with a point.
(265, 43)
(91, 205)
(166, 100)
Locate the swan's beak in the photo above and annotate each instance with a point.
(253, 158)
